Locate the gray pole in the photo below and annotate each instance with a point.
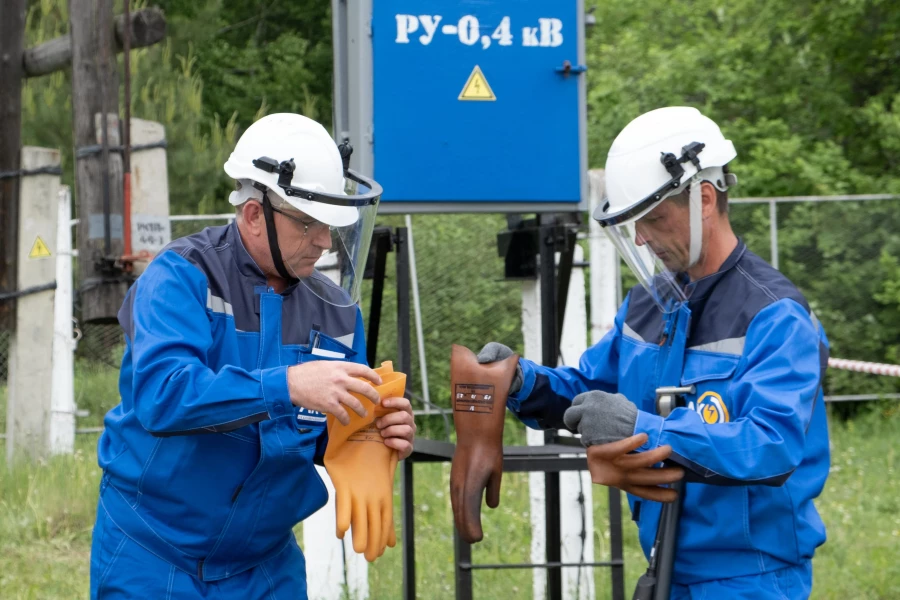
(341, 84)
(773, 231)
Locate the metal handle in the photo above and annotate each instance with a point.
(669, 398)
(568, 68)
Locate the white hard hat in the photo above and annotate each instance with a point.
(288, 159)
(637, 175)
(659, 154)
(318, 164)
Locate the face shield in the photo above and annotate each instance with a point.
(654, 236)
(328, 250)
(344, 263)
(653, 246)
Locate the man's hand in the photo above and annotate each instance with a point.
(495, 351)
(398, 428)
(601, 418)
(325, 386)
(612, 465)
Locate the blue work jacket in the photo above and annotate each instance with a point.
(753, 437)
(206, 462)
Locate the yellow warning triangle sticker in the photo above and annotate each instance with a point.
(477, 87)
(39, 249)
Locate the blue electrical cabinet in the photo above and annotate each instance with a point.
(478, 105)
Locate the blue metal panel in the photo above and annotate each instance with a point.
(430, 146)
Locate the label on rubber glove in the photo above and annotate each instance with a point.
(369, 434)
(473, 397)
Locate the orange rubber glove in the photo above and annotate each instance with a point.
(362, 469)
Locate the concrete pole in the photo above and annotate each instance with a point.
(28, 412)
(151, 229)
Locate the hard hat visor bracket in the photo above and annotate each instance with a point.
(285, 170)
(674, 168)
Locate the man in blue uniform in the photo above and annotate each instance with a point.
(209, 460)
(714, 319)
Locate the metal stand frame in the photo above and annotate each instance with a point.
(549, 459)
(558, 454)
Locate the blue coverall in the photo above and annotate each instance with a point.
(753, 437)
(207, 465)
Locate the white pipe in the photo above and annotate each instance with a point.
(62, 394)
(417, 309)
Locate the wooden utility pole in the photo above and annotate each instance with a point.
(12, 40)
(148, 26)
(98, 171)
(90, 48)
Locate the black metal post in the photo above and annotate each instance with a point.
(564, 276)
(381, 239)
(549, 356)
(405, 359)
(409, 540)
(404, 356)
(656, 582)
(672, 515)
(463, 552)
(615, 544)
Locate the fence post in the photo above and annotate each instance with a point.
(62, 388)
(773, 230)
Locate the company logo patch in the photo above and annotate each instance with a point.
(304, 414)
(712, 409)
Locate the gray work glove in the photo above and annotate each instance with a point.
(601, 418)
(494, 351)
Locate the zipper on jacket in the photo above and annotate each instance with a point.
(668, 330)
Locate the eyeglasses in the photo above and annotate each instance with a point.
(312, 226)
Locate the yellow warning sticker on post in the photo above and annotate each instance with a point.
(477, 87)
(39, 249)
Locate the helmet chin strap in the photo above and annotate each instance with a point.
(273, 240)
(696, 214)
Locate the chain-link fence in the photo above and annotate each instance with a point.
(842, 253)
(463, 299)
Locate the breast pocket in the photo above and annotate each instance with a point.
(324, 347)
(711, 375)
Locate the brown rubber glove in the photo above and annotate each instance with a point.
(612, 465)
(362, 469)
(479, 407)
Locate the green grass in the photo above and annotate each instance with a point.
(47, 511)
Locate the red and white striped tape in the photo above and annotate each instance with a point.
(864, 367)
